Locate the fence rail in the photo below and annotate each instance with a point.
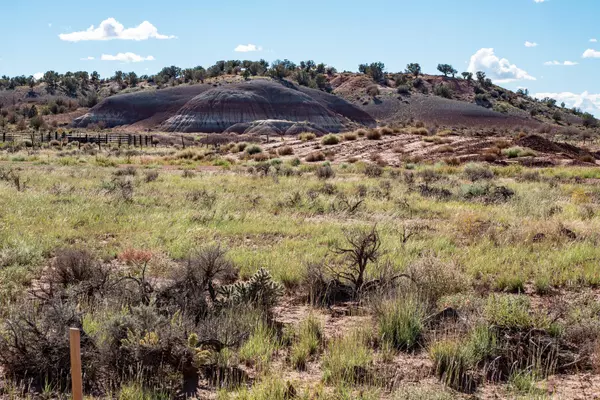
(99, 139)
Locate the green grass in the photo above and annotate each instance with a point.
(401, 321)
(347, 360)
(307, 342)
(259, 349)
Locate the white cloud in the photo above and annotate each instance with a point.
(87, 58)
(594, 40)
(585, 101)
(499, 70)
(111, 29)
(50, 25)
(565, 63)
(539, 1)
(38, 75)
(126, 58)
(591, 53)
(530, 44)
(244, 48)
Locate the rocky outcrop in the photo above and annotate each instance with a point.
(248, 107)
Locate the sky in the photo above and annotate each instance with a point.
(550, 47)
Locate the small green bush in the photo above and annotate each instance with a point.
(307, 136)
(330, 140)
(253, 149)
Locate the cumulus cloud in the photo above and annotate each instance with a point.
(594, 40)
(110, 29)
(585, 101)
(539, 1)
(126, 58)
(87, 58)
(38, 75)
(565, 63)
(530, 44)
(591, 53)
(245, 48)
(499, 70)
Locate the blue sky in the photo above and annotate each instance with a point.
(480, 34)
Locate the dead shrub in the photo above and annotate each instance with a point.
(285, 151)
(373, 134)
(315, 157)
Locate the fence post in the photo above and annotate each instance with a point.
(128, 141)
(182, 142)
(75, 345)
(3, 137)
(119, 141)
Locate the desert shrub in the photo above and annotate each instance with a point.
(285, 151)
(127, 171)
(514, 152)
(325, 172)
(307, 136)
(330, 139)
(350, 136)
(76, 266)
(488, 193)
(253, 149)
(307, 342)
(509, 311)
(361, 132)
(261, 157)
(150, 176)
(483, 100)
(474, 172)
(34, 345)
(443, 91)
(401, 321)
(433, 279)
(420, 131)
(373, 134)
(386, 131)
(373, 170)
(403, 89)
(188, 173)
(347, 360)
(241, 146)
(373, 90)
(315, 157)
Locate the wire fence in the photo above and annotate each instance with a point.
(81, 138)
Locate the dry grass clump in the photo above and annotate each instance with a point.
(350, 136)
(361, 132)
(373, 134)
(419, 131)
(315, 156)
(285, 151)
(386, 131)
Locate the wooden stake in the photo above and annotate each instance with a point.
(77, 387)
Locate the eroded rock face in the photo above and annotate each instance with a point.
(219, 108)
(274, 127)
(232, 107)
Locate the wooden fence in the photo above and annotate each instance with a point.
(96, 139)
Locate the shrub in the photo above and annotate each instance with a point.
(373, 90)
(307, 136)
(253, 149)
(325, 172)
(188, 173)
(443, 91)
(347, 360)
(127, 171)
(330, 139)
(514, 152)
(315, 157)
(361, 132)
(285, 151)
(474, 172)
(401, 321)
(373, 134)
(350, 136)
(150, 176)
(373, 170)
(403, 89)
(386, 131)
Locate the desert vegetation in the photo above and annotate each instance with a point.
(255, 270)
